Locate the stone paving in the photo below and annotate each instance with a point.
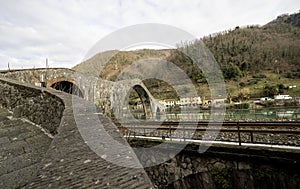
(70, 163)
(27, 162)
(22, 147)
(28, 159)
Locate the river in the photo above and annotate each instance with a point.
(267, 114)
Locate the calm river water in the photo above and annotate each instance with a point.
(270, 114)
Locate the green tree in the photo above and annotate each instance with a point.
(244, 66)
(281, 88)
(232, 72)
(270, 91)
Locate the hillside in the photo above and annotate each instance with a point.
(254, 60)
(293, 19)
(122, 59)
(274, 47)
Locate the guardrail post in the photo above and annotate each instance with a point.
(183, 132)
(251, 137)
(239, 134)
(170, 132)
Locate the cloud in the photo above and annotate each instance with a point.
(63, 31)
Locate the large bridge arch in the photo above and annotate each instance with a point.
(120, 99)
(145, 99)
(67, 85)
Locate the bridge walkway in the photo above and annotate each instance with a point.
(22, 147)
(70, 163)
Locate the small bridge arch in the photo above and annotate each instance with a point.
(67, 85)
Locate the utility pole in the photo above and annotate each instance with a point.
(46, 74)
(8, 66)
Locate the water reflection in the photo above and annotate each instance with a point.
(286, 114)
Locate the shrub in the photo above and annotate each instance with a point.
(252, 82)
(242, 106)
(232, 72)
(222, 177)
(259, 75)
(242, 84)
(270, 91)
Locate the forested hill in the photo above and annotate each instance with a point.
(273, 47)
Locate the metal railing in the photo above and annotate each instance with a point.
(241, 132)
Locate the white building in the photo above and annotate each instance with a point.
(186, 101)
(218, 102)
(167, 103)
(189, 101)
(282, 97)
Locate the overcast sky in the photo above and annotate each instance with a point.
(64, 30)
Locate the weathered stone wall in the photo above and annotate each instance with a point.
(220, 167)
(35, 76)
(35, 104)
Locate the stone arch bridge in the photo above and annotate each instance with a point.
(110, 95)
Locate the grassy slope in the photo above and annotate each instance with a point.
(256, 90)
